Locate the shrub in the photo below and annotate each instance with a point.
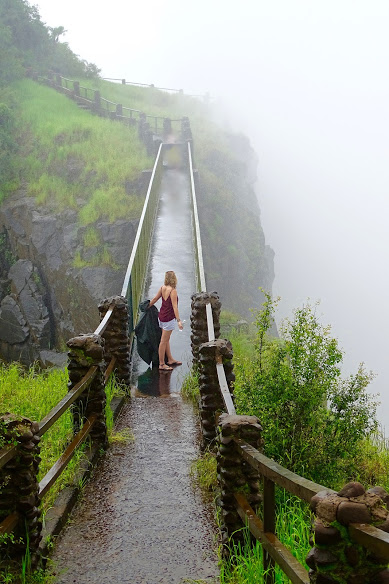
(313, 420)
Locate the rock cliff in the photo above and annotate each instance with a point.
(44, 298)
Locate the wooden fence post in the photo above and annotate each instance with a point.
(234, 474)
(97, 101)
(19, 488)
(117, 337)
(335, 557)
(86, 351)
(76, 88)
(119, 109)
(167, 127)
(198, 320)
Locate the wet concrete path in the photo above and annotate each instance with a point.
(141, 521)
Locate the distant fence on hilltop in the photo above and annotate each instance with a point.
(152, 130)
(206, 96)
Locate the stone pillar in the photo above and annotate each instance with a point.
(117, 337)
(211, 400)
(234, 474)
(335, 557)
(198, 320)
(86, 351)
(19, 487)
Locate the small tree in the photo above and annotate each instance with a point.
(313, 420)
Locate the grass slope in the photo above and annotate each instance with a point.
(76, 160)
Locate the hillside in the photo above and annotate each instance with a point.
(72, 187)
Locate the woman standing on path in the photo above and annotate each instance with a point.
(167, 317)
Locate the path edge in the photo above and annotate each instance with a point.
(57, 516)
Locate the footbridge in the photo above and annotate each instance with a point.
(140, 519)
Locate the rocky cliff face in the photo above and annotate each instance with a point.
(237, 259)
(44, 298)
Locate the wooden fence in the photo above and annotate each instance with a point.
(92, 359)
(347, 546)
(152, 130)
(206, 97)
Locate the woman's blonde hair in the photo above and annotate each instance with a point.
(170, 279)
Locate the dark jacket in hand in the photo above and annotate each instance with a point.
(148, 334)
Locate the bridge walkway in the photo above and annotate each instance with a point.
(140, 520)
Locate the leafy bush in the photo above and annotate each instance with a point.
(313, 420)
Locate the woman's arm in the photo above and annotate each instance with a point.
(156, 297)
(173, 296)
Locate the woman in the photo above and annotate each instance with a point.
(167, 317)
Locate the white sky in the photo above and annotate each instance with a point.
(307, 81)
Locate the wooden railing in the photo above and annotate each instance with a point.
(91, 98)
(206, 97)
(375, 540)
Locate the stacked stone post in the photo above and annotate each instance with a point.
(86, 351)
(116, 337)
(335, 558)
(19, 488)
(198, 320)
(234, 474)
(211, 400)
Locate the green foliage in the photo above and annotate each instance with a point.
(33, 394)
(204, 473)
(84, 170)
(313, 420)
(190, 387)
(8, 150)
(245, 563)
(26, 42)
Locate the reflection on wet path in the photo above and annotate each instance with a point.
(141, 521)
(172, 249)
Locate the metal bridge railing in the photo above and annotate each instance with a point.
(137, 265)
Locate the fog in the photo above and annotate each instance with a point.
(307, 82)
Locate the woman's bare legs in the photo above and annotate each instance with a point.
(164, 345)
(164, 349)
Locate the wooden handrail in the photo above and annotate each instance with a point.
(57, 469)
(63, 405)
(7, 453)
(109, 370)
(280, 554)
(9, 523)
(370, 537)
(292, 482)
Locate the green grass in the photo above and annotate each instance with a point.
(245, 563)
(74, 160)
(190, 388)
(33, 395)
